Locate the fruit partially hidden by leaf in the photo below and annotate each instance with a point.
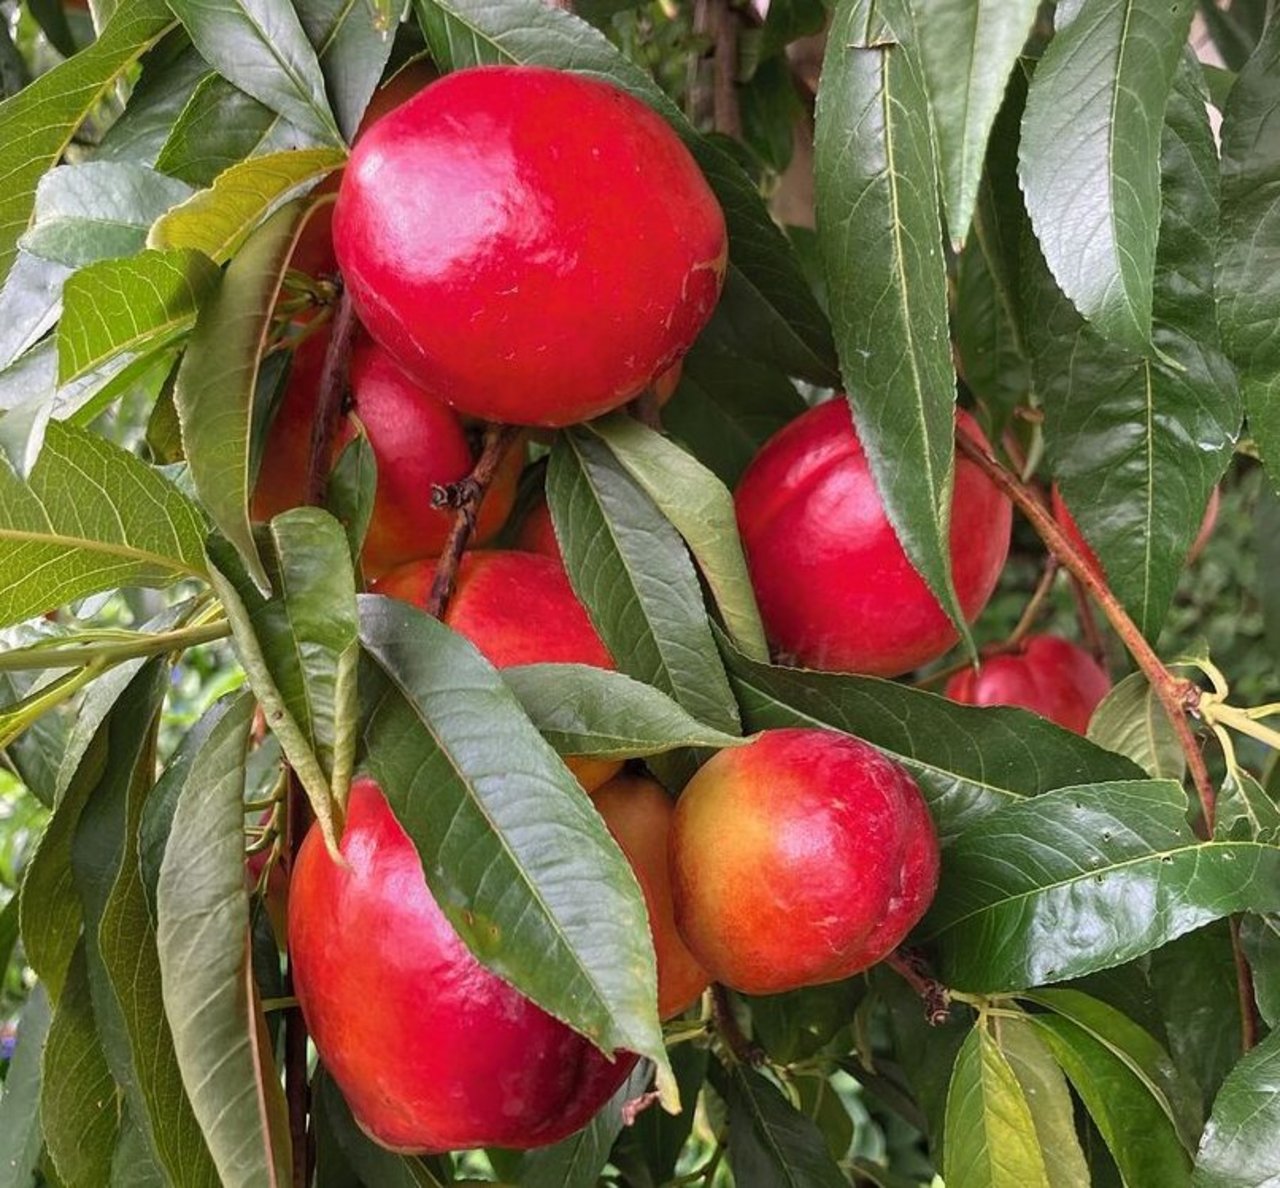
(835, 588)
(431, 1050)
(639, 812)
(1048, 675)
(516, 608)
(535, 246)
(417, 443)
(800, 858)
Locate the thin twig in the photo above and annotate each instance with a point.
(913, 970)
(465, 497)
(329, 396)
(726, 116)
(1176, 694)
(745, 1051)
(1244, 989)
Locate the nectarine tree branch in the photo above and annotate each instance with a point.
(1176, 694)
(745, 1051)
(646, 409)
(727, 117)
(333, 387)
(913, 970)
(1244, 989)
(465, 498)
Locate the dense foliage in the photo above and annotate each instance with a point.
(1057, 215)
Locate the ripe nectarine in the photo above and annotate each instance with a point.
(800, 858)
(835, 588)
(431, 1050)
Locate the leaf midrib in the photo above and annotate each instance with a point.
(142, 556)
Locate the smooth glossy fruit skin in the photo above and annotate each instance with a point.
(800, 858)
(417, 442)
(432, 1051)
(639, 813)
(835, 588)
(1067, 522)
(516, 608)
(1048, 675)
(535, 246)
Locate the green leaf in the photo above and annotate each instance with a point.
(98, 209)
(79, 1103)
(880, 234)
(210, 999)
(29, 303)
(1136, 443)
(216, 221)
(1131, 721)
(37, 124)
(216, 381)
(353, 51)
(1260, 936)
(20, 1137)
(1202, 1013)
(1049, 1101)
(969, 761)
(219, 127)
(631, 570)
(120, 943)
(726, 407)
(766, 297)
(1241, 1144)
(92, 517)
(351, 490)
(447, 741)
(1245, 809)
(260, 47)
(770, 1141)
(171, 71)
(967, 50)
(576, 1162)
(1248, 285)
(701, 509)
(991, 1139)
(1083, 879)
(1139, 1052)
(1090, 157)
(300, 647)
(582, 710)
(140, 304)
(654, 1141)
(1137, 1131)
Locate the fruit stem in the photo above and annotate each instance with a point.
(744, 1051)
(465, 497)
(329, 395)
(912, 968)
(1176, 694)
(1032, 610)
(646, 410)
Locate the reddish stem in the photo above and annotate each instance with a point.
(744, 1050)
(1244, 990)
(912, 968)
(329, 396)
(1175, 694)
(465, 497)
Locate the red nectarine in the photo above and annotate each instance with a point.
(836, 590)
(535, 246)
(431, 1050)
(800, 858)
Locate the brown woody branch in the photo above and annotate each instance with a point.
(911, 967)
(329, 398)
(465, 498)
(1176, 695)
(744, 1050)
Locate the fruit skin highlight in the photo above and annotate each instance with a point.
(639, 813)
(835, 588)
(417, 443)
(477, 228)
(800, 858)
(1048, 675)
(516, 608)
(432, 1051)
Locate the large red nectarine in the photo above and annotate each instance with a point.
(516, 608)
(800, 858)
(1048, 675)
(639, 812)
(535, 246)
(836, 590)
(432, 1051)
